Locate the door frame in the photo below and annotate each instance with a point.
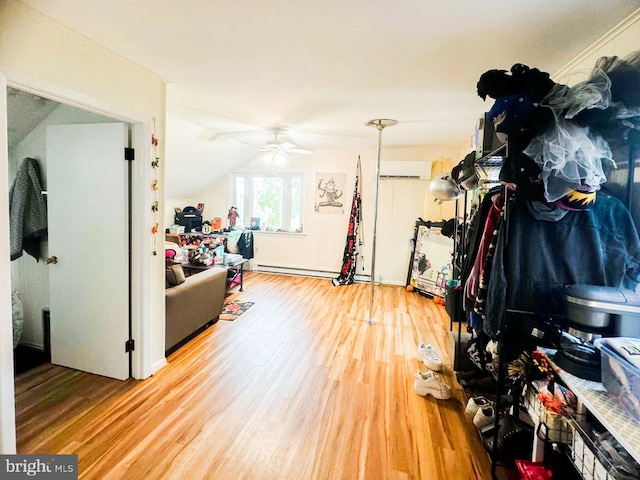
(141, 260)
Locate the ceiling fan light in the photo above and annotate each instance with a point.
(276, 159)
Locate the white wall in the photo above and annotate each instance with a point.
(320, 247)
(215, 199)
(29, 277)
(42, 56)
(619, 41)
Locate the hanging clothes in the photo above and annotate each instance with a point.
(473, 240)
(492, 231)
(491, 225)
(27, 211)
(599, 246)
(245, 244)
(348, 270)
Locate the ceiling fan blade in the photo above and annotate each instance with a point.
(276, 145)
(283, 145)
(302, 151)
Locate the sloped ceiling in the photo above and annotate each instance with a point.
(25, 111)
(323, 69)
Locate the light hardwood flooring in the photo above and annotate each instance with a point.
(299, 387)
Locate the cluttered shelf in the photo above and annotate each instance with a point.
(603, 407)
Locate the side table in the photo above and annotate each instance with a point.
(237, 268)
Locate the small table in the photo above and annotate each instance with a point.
(237, 267)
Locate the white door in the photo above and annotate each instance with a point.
(88, 234)
(401, 203)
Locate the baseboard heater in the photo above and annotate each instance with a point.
(306, 272)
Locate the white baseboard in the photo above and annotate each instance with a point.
(304, 272)
(157, 366)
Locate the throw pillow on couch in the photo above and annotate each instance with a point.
(174, 274)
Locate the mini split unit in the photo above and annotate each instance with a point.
(405, 169)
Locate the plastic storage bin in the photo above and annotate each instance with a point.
(620, 372)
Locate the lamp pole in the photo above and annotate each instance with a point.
(380, 124)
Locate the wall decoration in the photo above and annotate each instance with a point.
(329, 191)
(155, 205)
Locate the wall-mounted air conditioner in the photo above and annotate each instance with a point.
(405, 169)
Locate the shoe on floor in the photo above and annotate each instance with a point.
(428, 355)
(429, 383)
(475, 403)
(484, 417)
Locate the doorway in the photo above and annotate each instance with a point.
(88, 305)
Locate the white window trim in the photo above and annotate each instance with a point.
(286, 209)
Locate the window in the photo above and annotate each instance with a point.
(272, 201)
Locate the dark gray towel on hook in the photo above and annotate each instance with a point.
(27, 211)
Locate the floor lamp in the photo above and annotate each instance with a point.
(380, 124)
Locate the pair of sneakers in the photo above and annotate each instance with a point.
(428, 355)
(482, 410)
(429, 383)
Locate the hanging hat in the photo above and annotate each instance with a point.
(511, 113)
(580, 199)
(495, 83)
(464, 174)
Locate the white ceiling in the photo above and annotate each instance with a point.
(325, 68)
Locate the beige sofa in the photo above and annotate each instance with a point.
(193, 306)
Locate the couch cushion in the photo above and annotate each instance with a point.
(193, 304)
(174, 274)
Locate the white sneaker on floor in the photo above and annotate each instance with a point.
(428, 383)
(485, 416)
(476, 403)
(428, 355)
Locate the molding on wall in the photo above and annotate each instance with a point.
(604, 40)
(304, 272)
(158, 365)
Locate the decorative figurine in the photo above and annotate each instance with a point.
(232, 216)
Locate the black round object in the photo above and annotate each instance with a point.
(581, 353)
(578, 361)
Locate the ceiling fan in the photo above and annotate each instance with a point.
(276, 151)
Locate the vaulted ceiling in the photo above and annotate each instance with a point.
(324, 68)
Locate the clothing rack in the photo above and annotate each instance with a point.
(511, 238)
(501, 364)
(459, 246)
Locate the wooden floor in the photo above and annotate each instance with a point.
(299, 387)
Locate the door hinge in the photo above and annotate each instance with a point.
(129, 154)
(129, 346)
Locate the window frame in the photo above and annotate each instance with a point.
(247, 208)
